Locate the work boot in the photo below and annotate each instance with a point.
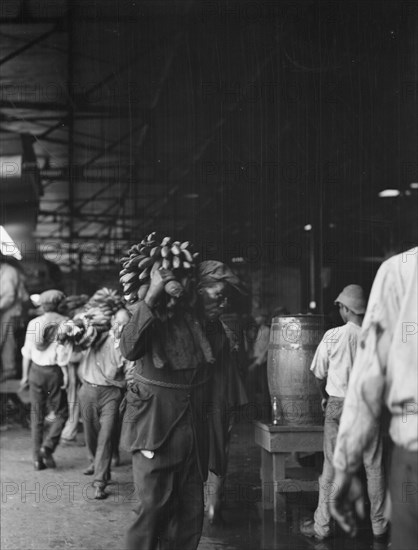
(307, 528)
(89, 471)
(48, 459)
(100, 493)
(39, 465)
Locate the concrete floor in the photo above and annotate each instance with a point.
(55, 509)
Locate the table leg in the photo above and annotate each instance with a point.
(279, 475)
(266, 474)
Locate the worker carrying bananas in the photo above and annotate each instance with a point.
(167, 402)
(102, 371)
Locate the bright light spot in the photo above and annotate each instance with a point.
(8, 246)
(312, 305)
(387, 193)
(35, 299)
(307, 227)
(413, 185)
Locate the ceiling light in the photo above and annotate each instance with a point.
(307, 227)
(387, 193)
(413, 185)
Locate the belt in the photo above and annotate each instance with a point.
(169, 385)
(44, 366)
(96, 385)
(102, 385)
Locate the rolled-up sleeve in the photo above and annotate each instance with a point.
(135, 339)
(363, 404)
(320, 362)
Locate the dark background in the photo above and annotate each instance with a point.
(231, 124)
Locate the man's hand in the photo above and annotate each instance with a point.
(24, 383)
(159, 278)
(347, 502)
(324, 402)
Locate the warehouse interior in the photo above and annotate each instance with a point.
(280, 137)
(260, 118)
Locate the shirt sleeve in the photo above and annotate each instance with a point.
(30, 341)
(64, 353)
(320, 362)
(135, 339)
(363, 403)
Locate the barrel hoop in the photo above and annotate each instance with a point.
(290, 347)
(302, 326)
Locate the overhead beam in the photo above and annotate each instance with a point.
(27, 46)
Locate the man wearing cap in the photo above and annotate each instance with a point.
(332, 365)
(166, 418)
(47, 381)
(102, 370)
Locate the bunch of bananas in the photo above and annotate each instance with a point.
(101, 307)
(153, 253)
(77, 331)
(73, 304)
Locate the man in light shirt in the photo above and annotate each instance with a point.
(332, 365)
(47, 380)
(385, 373)
(102, 370)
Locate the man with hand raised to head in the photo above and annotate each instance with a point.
(167, 406)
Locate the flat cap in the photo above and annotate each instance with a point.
(51, 299)
(352, 296)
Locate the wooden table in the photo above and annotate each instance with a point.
(276, 443)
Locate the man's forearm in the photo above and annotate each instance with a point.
(25, 368)
(321, 384)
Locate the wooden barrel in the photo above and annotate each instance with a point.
(293, 341)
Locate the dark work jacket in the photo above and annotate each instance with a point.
(227, 394)
(153, 410)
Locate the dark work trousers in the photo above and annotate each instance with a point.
(99, 408)
(48, 401)
(169, 490)
(404, 495)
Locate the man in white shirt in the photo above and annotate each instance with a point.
(102, 369)
(385, 373)
(332, 365)
(47, 381)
